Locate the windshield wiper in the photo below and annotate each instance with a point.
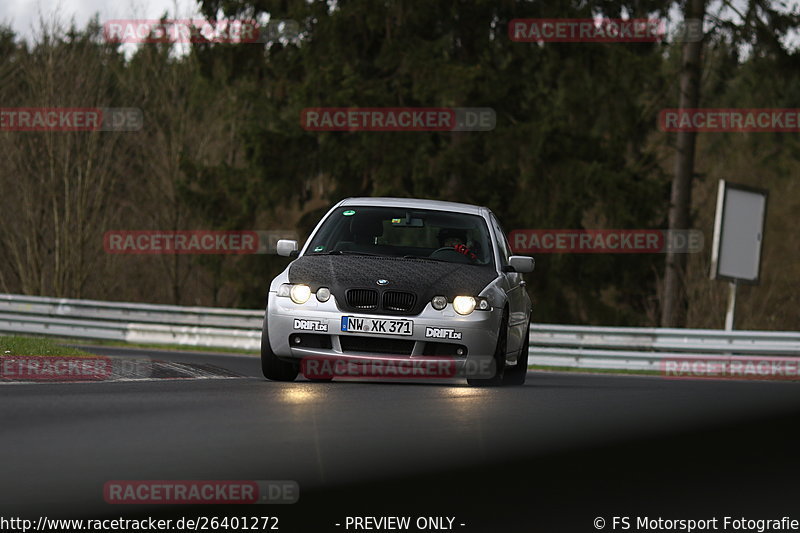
(351, 252)
(426, 258)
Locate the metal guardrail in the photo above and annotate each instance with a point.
(646, 348)
(211, 327)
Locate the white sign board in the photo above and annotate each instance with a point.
(738, 233)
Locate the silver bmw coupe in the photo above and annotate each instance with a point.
(400, 288)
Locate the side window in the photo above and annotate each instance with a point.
(502, 243)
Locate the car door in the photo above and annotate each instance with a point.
(514, 286)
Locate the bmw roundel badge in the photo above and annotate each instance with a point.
(382, 282)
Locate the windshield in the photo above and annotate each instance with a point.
(403, 232)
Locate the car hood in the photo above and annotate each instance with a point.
(424, 278)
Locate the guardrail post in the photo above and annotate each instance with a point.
(731, 306)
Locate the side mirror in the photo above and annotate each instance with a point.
(521, 263)
(286, 248)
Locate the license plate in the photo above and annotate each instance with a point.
(381, 326)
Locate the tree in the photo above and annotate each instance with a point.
(673, 310)
(57, 186)
(759, 28)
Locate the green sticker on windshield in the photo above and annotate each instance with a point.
(319, 248)
(349, 213)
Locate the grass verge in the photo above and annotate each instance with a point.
(14, 345)
(163, 347)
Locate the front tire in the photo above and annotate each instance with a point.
(516, 375)
(499, 358)
(273, 368)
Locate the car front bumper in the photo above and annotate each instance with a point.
(436, 336)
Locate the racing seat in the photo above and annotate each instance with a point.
(364, 231)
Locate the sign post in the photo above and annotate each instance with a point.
(731, 306)
(738, 238)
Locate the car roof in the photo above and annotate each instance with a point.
(418, 203)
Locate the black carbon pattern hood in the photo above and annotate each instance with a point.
(426, 279)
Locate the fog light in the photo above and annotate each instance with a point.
(297, 339)
(464, 305)
(460, 351)
(323, 294)
(439, 302)
(300, 293)
(483, 305)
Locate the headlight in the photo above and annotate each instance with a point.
(300, 293)
(439, 302)
(323, 294)
(464, 305)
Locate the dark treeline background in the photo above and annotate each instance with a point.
(577, 145)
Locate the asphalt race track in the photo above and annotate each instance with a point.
(549, 456)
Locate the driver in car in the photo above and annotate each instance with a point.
(456, 239)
